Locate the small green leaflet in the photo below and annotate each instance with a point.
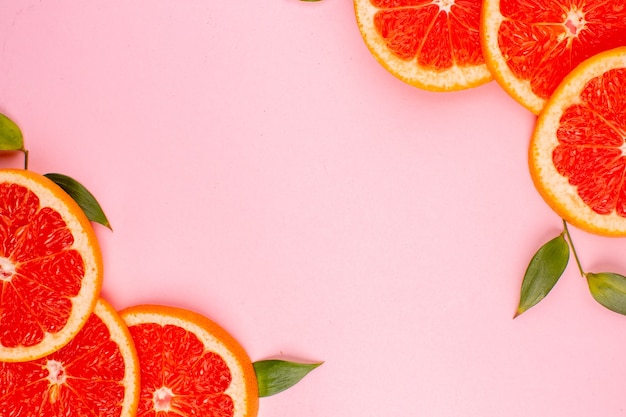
(274, 376)
(608, 289)
(11, 138)
(82, 196)
(544, 270)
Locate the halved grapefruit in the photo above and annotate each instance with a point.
(577, 153)
(95, 374)
(431, 44)
(190, 366)
(531, 45)
(50, 266)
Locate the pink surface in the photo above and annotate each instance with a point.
(259, 166)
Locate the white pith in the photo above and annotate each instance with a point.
(444, 5)
(162, 399)
(574, 22)
(56, 372)
(7, 269)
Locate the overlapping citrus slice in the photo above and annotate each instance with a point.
(431, 44)
(50, 266)
(577, 153)
(531, 45)
(190, 366)
(95, 374)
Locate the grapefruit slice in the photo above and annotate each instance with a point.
(431, 44)
(50, 266)
(190, 366)
(95, 374)
(577, 153)
(531, 45)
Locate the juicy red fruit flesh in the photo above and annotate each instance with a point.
(437, 37)
(541, 43)
(591, 150)
(174, 360)
(40, 271)
(84, 378)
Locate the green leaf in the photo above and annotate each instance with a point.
(274, 376)
(11, 138)
(544, 270)
(608, 289)
(82, 196)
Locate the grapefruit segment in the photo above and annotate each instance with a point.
(431, 44)
(95, 374)
(190, 365)
(577, 152)
(50, 266)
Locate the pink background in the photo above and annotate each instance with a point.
(259, 166)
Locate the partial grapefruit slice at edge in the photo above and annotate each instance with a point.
(242, 388)
(456, 77)
(96, 373)
(85, 243)
(555, 188)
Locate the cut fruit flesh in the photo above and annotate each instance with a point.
(205, 370)
(95, 374)
(50, 266)
(433, 44)
(531, 45)
(576, 155)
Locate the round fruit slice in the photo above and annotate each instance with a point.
(95, 374)
(431, 44)
(189, 365)
(577, 153)
(50, 266)
(531, 45)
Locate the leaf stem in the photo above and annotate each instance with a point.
(571, 243)
(25, 152)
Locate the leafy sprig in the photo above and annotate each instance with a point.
(547, 266)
